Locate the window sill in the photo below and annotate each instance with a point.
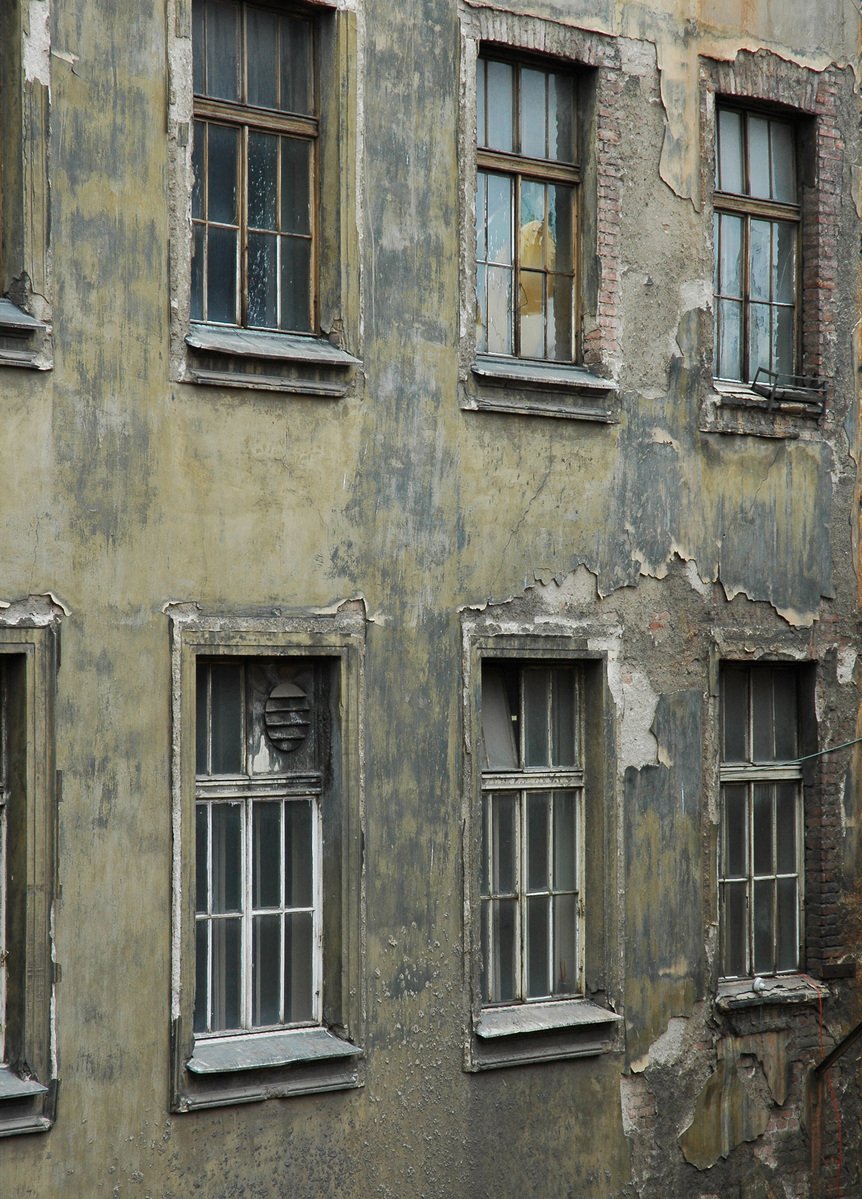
(248, 1069)
(737, 408)
(781, 990)
(22, 1104)
(223, 356)
(537, 1032)
(533, 388)
(21, 338)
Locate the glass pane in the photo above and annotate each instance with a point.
(536, 692)
(298, 854)
(226, 683)
(199, 134)
(502, 984)
(226, 882)
(532, 236)
(734, 715)
(758, 157)
(484, 967)
(201, 719)
(786, 715)
(783, 358)
(563, 751)
(226, 973)
(222, 245)
(295, 185)
(783, 162)
(296, 284)
(498, 338)
(788, 926)
(735, 839)
(762, 855)
(729, 339)
(263, 280)
(261, 57)
(197, 283)
(531, 313)
(481, 216)
(760, 260)
(764, 927)
(784, 261)
(201, 857)
(538, 932)
(533, 113)
(296, 73)
(262, 180)
(785, 821)
(298, 968)
(198, 47)
(266, 970)
(733, 930)
(730, 255)
(503, 842)
(729, 158)
(498, 726)
(565, 945)
(565, 845)
(561, 118)
(500, 106)
(537, 840)
(266, 855)
(500, 219)
(481, 106)
(223, 146)
(481, 309)
(763, 715)
(559, 248)
(759, 339)
(222, 52)
(560, 314)
(201, 1018)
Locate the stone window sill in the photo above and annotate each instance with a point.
(22, 338)
(223, 356)
(22, 1104)
(257, 1066)
(555, 389)
(737, 408)
(781, 989)
(536, 1032)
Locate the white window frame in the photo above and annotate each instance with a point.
(222, 1066)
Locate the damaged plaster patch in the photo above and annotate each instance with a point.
(36, 50)
(636, 703)
(667, 1049)
(34, 610)
(846, 664)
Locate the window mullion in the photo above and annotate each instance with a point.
(247, 923)
(521, 893)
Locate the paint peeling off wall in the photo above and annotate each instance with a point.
(36, 59)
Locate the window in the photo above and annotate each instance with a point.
(267, 866)
(532, 812)
(27, 1083)
(760, 871)
(255, 156)
(526, 210)
(756, 238)
(539, 867)
(260, 753)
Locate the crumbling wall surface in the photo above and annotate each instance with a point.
(678, 533)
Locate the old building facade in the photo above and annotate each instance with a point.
(429, 691)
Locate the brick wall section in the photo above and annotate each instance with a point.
(602, 341)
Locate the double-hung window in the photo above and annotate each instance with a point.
(532, 816)
(756, 237)
(760, 868)
(258, 933)
(526, 210)
(255, 154)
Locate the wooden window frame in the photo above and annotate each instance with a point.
(520, 169)
(748, 208)
(247, 119)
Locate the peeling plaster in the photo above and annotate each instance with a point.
(36, 59)
(636, 703)
(846, 664)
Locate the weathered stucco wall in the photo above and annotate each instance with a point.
(670, 543)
